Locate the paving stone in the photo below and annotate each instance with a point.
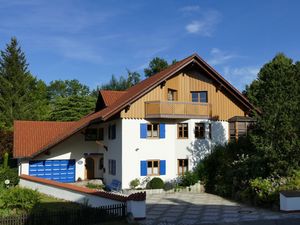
(187, 221)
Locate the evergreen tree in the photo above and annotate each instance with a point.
(156, 65)
(66, 88)
(72, 108)
(276, 93)
(69, 100)
(123, 83)
(22, 96)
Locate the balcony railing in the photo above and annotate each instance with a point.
(173, 109)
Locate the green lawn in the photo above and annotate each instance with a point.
(53, 204)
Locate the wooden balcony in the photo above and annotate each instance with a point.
(173, 109)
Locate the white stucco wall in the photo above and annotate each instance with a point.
(66, 194)
(75, 147)
(170, 148)
(130, 149)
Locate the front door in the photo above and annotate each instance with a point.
(90, 168)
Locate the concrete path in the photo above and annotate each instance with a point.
(203, 208)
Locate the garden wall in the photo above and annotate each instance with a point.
(135, 202)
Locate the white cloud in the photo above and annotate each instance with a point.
(205, 26)
(241, 76)
(190, 8)
(218, 57)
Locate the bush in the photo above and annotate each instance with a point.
(292, 182)
(169, 185)
(265, 191)
(134, 183)
(20, 198)
(155, 183)
(9, 174)
(188, 179)
(228, 169)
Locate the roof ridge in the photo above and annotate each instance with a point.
(43, 121)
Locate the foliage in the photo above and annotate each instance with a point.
(66, 88)
(155, 183)
(124, 82)
(134, 183)
(5, 160)
(169, 185)
(20, 198)
(71, 108)
(189, 178)
(22, 96)
(9, 174)
(229, 168)
(6, 142)
(156, 65)
(94, 186)
(265, 191)
(276, 92)
(292, 182)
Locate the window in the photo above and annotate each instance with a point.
(101, 134)
(153, 130)
(153, 167)
(172, 95)
(112, 131)
(209, 131)
(182, 130)
(183, 166)
(200, 130)
(199, 96)
(112, 167)
(90, 134)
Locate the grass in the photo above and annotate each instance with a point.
(46, 203)
(94, 186)
(54, 204)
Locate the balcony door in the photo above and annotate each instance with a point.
(172, 95)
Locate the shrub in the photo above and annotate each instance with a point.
(134, 183)
(9, 174)
(292, 182)
(155, 183)
(265, 191)
(169, 185)
(20, 198)
(188, 179)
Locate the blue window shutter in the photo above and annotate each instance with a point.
(162, 167)
(162, 130)
(143, 130)
(143, 168)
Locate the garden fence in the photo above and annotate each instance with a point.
(80, 216)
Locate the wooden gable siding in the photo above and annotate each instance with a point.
(222, 106)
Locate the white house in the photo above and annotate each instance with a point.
(159, 127)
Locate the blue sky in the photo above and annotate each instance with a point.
(91, 40)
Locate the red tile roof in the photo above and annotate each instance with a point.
(32, 135)
(140, 196)
(109, 97)
(119, 102)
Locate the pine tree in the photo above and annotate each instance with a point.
(22, 96)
